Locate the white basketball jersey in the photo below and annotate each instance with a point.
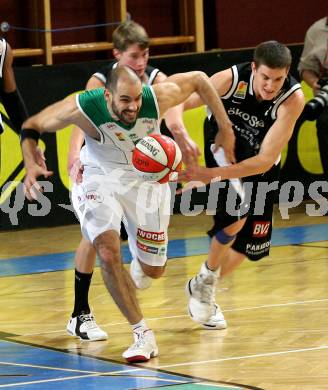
(117, 140)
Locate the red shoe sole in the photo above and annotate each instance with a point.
(137, 359)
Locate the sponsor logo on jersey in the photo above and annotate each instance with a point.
(80, 198)
(147, 121)
(147, 248)
(154, 151)
(162, 250)
(120, 136)
(155, 238)
(241, 90)
(134, 138)
(94, 196)
(257, 249)
(261, 229)
(110, 125)
(149, 125)
(252, 120)
(150, 130)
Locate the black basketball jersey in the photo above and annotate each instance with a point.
(252, 119)
(150, 72)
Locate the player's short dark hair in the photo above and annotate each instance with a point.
(272, 54)
(129, 33)
(120, 72)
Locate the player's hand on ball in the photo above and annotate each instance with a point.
(190, 150)
(157, 158)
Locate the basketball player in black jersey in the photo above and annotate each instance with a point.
(131, 48)
(263, 102)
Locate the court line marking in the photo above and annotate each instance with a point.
(242, 357)
(63, 368)
(93, 374)
(186, 315)
(88, 376)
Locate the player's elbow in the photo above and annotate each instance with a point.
(31, 123)
(200, 77)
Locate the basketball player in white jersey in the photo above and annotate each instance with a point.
(131, 48)
(113, 120)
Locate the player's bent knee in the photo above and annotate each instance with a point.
(156, 272)
(223, 238)
(108, 254)
(153, 272)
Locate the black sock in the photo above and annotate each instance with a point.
(82, 284)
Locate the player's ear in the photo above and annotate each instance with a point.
(253, 65)
(117, 54)
(107, 94)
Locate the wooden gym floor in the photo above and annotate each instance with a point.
(277, 336)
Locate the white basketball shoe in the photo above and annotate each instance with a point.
(143, 349)
(202, 306)
(85, 327)
(140, 279)
(216, 320)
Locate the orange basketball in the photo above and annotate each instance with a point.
(156, 157)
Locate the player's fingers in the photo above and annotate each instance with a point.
(30, 189)
(189, 186)
(231, 155)
(47, 173)
(79, 176)
(183, 176)
(27, 192)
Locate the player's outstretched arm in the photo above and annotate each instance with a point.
(174, 121)
(189, 148)
(185, 85)
(274, 142)
(51, 119)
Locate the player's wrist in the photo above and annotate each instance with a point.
(178, 130)
(29, 133)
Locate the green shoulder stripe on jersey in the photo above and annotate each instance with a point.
(149, 105)
(93, 104)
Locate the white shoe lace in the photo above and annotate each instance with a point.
(88, 320)
(206, 288)
(140, 340)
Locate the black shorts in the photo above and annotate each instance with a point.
(254, 239)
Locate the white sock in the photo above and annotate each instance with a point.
(140, 326)
(204, 269)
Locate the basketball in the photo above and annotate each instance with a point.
(156, 158)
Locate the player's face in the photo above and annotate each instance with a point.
(134, 57)
(268, 81)
(126, 101)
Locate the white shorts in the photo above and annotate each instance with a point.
(102, 201)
